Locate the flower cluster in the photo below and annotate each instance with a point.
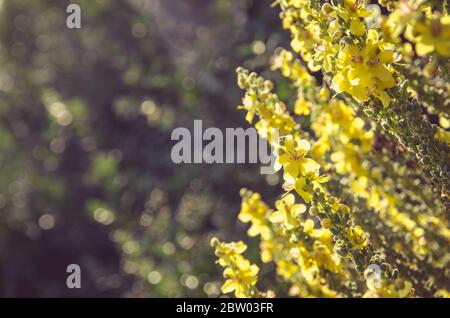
(428, 30)
(241, 275)
(341, 43)
(366, 173)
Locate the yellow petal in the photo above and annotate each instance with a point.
(291, 171)
(299, 209)
(443, 135)
(382, 73)
(283, 158)
(308, 227)
(289, 143)
(309, 166)
(229, 272)
(244, 217)
(406, 290)
(228, 286)
(277, 217)
(423, 49)
(386, 56)
(249, 117)
(353, 77)
(240, 247)
(372, 36)
(253, 230)
(254, 269)
(289, 199)
(338, 83)
(324, 178)
(305, 195)
(337, 156)
(303, 146)
(241, 291)
(385, 98)
(242, 263)
(443, 48)
(356, 27)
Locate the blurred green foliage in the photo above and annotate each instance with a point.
(85, 123)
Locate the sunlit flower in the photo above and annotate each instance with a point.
(255, 211)
(240, 279)
(366, 71)
(292, 158)
(431, 33)
(287, 212)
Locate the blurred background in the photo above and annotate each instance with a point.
(86, 117)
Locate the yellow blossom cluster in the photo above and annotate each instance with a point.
(338, 239)
(302, 252)
(366, 175)
(241, 275)
(344, 140)
(429, 30)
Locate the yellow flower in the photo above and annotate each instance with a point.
(227, 253)
(352, 11)
(323, 236)
(431, 34)
(287, 212)
(442, 293)
(303, 190)
(268, 249)
(357, 237)
(366, 72)
(325, 52)
(240, 279)
(287, 269)
(250, 104)
(397, 21)
(324, 257)
(303, 42)
(444, 122)
(310, 271)
(292, 159)
(240, 273)
(347, 160)
(442, 135)
(302, 106)
(254, 210)
(308, 227)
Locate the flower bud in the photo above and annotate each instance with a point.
(214, 242)
(344, 209)
(327, 8)
(268, 85)
(313, 211)
(326, 223)
(430, 70)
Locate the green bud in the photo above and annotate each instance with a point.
(313, 211)
(214, 242)
(326, 223)
(344, 209)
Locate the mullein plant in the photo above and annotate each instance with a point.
(363, 210)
